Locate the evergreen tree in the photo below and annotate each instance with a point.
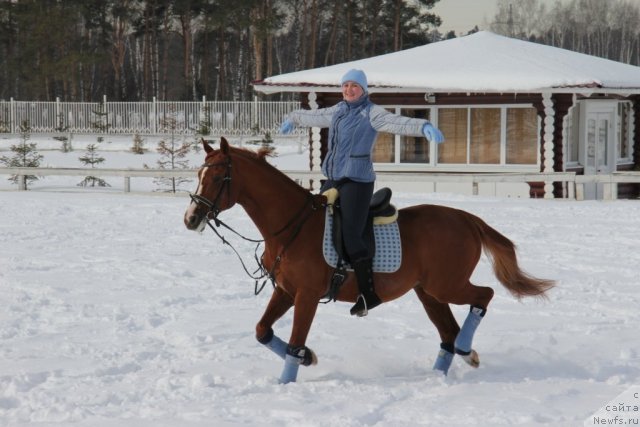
(101, 118)
(25, 155)
(66, 140)
(92, 158)
(138, 144)
(267, 142)
(172, 154)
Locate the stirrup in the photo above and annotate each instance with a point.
(375, 301)
(362, 312)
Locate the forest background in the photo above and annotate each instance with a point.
(135, 50)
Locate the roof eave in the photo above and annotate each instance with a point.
(269, 89)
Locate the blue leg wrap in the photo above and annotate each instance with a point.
(295, 357)
(290, 371)
(465, 336)
(443, 362)
(274, 343)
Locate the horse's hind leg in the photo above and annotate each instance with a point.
(441, 316)
(279, 304)
(478, 297)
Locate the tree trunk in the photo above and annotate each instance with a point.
(397, 35)
(185, 24)
(330, 54)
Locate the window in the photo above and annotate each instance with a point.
(453, 124)
(489, 135)
(383, 149)
(479, 135)
(624, 131)
(484, 144)
(573, 135)
(522, 136)
(414, 149)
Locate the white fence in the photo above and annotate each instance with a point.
(572, 183)
(216, 118)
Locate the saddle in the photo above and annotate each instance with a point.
(382, 214)
(381, 211)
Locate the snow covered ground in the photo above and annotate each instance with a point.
(115, 315)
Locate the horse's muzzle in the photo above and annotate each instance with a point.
(193, 219)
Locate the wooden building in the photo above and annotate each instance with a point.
(504, 105)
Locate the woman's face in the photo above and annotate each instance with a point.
(351, 91)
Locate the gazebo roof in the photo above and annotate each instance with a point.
(481, 62)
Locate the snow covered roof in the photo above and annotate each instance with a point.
(481, 62)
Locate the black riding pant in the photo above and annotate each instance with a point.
(355, 198)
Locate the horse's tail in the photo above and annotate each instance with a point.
(502, 253)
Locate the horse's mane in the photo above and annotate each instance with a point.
(260, 157)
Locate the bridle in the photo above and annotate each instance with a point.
(214, 211)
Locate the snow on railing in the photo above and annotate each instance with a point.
(311, 180)
(214, 118)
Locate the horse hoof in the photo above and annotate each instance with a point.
(472, 359)
(314, 358)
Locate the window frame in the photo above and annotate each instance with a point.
(434, 165)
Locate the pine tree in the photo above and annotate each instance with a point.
(25, 155)
(173, 155)
(267, 142)
(66, 140)
(138, 144)
(92, 158)
(101, 118)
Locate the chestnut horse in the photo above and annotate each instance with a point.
(440, 249)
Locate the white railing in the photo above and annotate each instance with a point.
(573, 184)
(147, 118)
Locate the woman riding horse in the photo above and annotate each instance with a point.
(353, 126)
(441, 247)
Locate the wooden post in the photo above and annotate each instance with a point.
(547, 142)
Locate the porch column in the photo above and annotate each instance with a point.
(547, 142)
(315, 136)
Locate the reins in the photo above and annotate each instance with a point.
(214, 211)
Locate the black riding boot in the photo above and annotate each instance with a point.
(367, 298)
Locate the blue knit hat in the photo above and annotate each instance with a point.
(357, 76)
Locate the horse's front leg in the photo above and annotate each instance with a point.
(298, 353)
(279, 304)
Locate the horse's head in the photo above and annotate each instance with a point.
(214, 193)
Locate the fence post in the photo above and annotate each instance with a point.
(106, 114)
(127, 184)
(57, 125)
(579, 191)
(154, 112)
(22, 183)
(255, 120)
(12, 115)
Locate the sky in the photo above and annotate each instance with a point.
(463, 15)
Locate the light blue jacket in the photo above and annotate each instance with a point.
(353, 128)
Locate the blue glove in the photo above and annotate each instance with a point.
(432, 133)
(286, 127)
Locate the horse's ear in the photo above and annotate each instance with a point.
(224, 145)
(207, 147)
